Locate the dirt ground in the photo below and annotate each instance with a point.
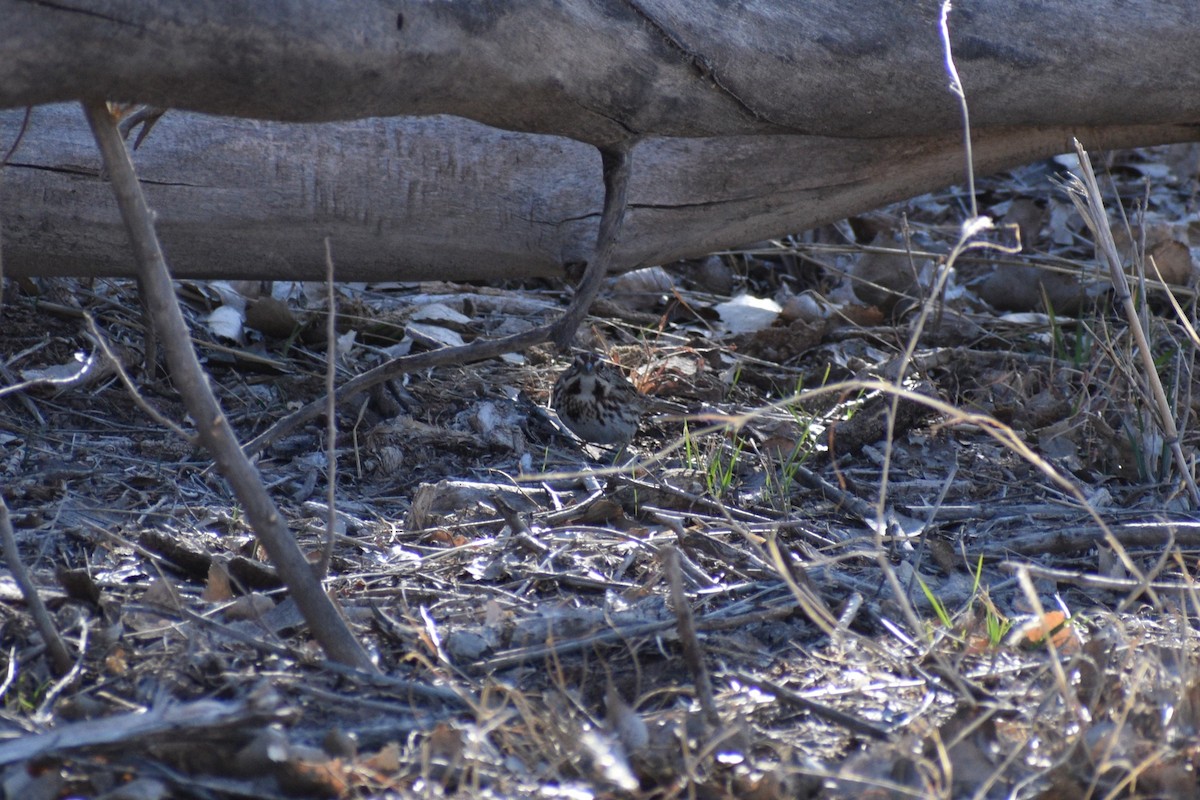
(797, 586)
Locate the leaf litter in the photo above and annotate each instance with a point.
(727, 609)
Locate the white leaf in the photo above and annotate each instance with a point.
(226, 322)
(746, 313)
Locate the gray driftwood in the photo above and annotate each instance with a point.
(770, 117)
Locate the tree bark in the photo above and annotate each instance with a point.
(759, 120)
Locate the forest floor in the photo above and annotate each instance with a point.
(794, 589)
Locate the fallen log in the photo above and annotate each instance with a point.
(770, 120)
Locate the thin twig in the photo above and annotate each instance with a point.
(235, 633)
(616, 184)
(693, 652)
(715, 621)
(971, 227)
(45, 711)
(60, 657)
(797, 700)
(127, 382)
(1087, 580)
(957, 88)
(330, 415)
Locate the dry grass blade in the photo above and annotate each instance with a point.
(1085, 194)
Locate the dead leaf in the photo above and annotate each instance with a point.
(746, 313)
(387, 760)
(162, 593)
(271, 317)
(217, 588)
(117, 661)
(1054, 626)
(251, 606)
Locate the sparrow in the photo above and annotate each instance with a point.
(597, 402)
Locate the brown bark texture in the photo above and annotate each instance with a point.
(452, 139)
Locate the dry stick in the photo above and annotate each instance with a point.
(616, 164)
(693, 653)
(49, 697)
(797, 700)
(532, 653)
(60, 658)
(20, 135)
(201, 720)
(330, 416)
(520, 528)
(1090, 205)
(1087, 580)
(844, 500)
(82, 373)
(212, 427)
